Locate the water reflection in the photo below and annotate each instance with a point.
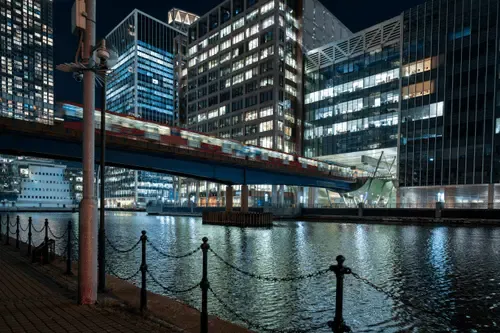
(453, 270)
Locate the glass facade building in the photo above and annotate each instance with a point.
(244, 70)
(142, 81)
(450, 103)
(26, 60)
(352, 97)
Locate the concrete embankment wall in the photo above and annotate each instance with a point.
(404, 212)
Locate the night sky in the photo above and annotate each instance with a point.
(355, 14)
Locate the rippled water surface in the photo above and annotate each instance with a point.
(451, 271)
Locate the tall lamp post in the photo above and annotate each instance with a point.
(102, 234)
(87, 261)
(88, 282)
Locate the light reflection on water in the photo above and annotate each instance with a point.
(452, 270)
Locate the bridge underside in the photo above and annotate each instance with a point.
(21, 144)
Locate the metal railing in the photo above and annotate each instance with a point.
(337, 325)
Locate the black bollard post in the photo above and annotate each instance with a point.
(68, 254)
(204, 288)
(7, 232)
(29, 235)
(46, 243)
(144, 269)
(17, 232)
(338, 325)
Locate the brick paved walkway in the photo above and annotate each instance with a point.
(31, 301)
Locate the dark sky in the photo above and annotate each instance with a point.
(355, 14)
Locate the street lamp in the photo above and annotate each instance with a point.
(89, 70)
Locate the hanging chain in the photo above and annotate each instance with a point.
(399, 299)
(175, 291)
(171, 255)
(116, 249)
(34, 229)
(260, 327)
(126, 278)
(58, 237)
(272, 279)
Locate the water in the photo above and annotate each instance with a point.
(451, 270)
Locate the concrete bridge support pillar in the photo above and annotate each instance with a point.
(282, 196)
(229, 198)
(311, 197)
(206, 193)
(274, 195)
(491, 196)
(197, 194)
(244, 198)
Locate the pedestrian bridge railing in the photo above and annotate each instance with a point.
(337, 325)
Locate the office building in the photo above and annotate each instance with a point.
(26, 60)
(450, 111)
(142, 81)
(244, 69)
(352, 95)
(435, 88)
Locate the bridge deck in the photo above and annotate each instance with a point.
(31, 301)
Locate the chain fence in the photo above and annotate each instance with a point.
(170, 289)
(38, 231)
(118, 250)
(268, 278)
(396, 298)
(251, 324)
(58, 237)
(171, 255)
(121, 277)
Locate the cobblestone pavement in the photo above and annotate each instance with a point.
(33, 301)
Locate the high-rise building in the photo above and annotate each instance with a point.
(352, 95)
(450, 110)
(244, 69)
(26, 60)
(423, 88)
(142, 81)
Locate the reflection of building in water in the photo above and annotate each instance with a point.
(127, 188)
(43, 184)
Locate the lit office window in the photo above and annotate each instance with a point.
(418, 89)
(239, 23)
(251, 115)
(267, 7)
(253, 44)
(203, 56)
(253, 58)
(225, 31)
(266, 142)
(225, 45)
(213, 51)
(238, 78)
(225, 57)
(264, 53)
(238, 64)
(253, 15)
(238, 38)
(267, 22)
(266, 111)
(252, 30)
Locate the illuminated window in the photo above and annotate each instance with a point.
(238, 64)
(252, 30)
(251, 115)
(418, 89)
(225, 45)
(267, 7)
(266, 111)
(266, 142)
(238, 38)
(251, 59)
(420, 66)
(253, 44)
(267, 22)
(239, 23)
(225, 31)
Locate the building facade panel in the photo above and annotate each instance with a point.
(142, 82)
(449, 109)
(26, 60)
